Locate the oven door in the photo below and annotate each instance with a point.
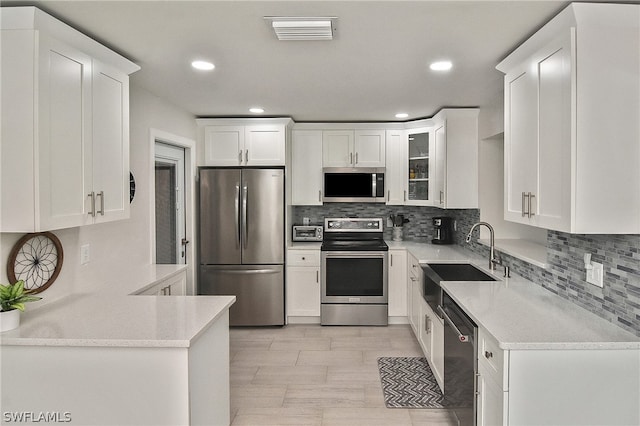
(354, 277)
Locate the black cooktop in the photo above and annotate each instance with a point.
(354, 245)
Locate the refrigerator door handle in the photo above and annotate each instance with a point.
(245, 193)
(238, 216)
(250, 271)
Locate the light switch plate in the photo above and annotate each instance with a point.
(85, 254)
(595, 275)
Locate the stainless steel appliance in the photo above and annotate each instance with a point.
(242, 242)
(354, 272)
(444, 230)
(460, 364)
(362, 184)
(307, 233)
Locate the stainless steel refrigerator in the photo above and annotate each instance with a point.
(242, 242)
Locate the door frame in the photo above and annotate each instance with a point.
(189, 145)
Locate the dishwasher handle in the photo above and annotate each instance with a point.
(463, 338)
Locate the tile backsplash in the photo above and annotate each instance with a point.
(618, 301)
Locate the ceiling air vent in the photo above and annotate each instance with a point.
(303, 28)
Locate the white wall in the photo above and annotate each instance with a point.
(116, 246)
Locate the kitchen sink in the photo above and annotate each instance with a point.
(459, 272)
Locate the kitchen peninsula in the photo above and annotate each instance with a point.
(121, 359)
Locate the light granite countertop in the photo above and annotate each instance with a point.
(114, 318)
(521, 314)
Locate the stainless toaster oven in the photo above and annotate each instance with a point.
(307, 233)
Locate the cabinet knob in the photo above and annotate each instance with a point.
(488, 354)
(304, 258)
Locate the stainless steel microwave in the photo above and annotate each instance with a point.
(362, 184)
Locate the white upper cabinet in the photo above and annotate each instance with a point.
(572, 102)
(349, 148)
(65, 126)
(243, 142)
(396, 168)
(306, 167)
(455, 178)
(419, 160)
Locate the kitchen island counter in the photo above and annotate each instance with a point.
(112, 358)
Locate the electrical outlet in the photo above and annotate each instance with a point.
(595, 275)
(85, 254)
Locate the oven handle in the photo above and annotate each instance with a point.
(463, 338)
(355, 254)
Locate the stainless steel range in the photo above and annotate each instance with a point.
(354, 272)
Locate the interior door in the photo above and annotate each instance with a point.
(220, 216)
(262, 216)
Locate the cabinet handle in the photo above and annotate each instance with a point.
(169, 290)
(318, 277)
(92, 195)
(240, 157)
(427, 324)
(246, 156)
(356, 158)
(441, 197)
(488, 354)
(319, 195)
(531, 213)
(101, 195)
(391, 260)
(523, 209)
(405, 195)
(388, 195)
(351, 158)
(526, 196)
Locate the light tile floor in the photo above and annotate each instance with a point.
(314, 375)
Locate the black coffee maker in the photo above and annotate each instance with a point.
(444, 230)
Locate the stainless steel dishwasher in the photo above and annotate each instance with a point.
(460, 363)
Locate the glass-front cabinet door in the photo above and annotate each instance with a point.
(421, 157)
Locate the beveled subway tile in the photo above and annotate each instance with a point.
(257, 396)
(365, 417)
(333, 357)
(299, 344)
(258, 358)
(433, 417)
(360, 343)
(278, 416)
(291, 375)
(356, 374)
(323, 396)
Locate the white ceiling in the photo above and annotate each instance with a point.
(375, 67)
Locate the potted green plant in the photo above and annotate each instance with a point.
(12, 300)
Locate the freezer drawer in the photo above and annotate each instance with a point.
(259, 291)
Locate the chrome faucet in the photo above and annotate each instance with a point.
(493, 258)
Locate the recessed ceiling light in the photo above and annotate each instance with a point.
(256, 110)
(402, 115)
(441, 66)
(202, 65)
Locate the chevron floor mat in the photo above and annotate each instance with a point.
(408, 382)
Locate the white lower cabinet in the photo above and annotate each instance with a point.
(397, 289)
(556, 386)
(303, 285)
(427, 326)
(172, 286)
